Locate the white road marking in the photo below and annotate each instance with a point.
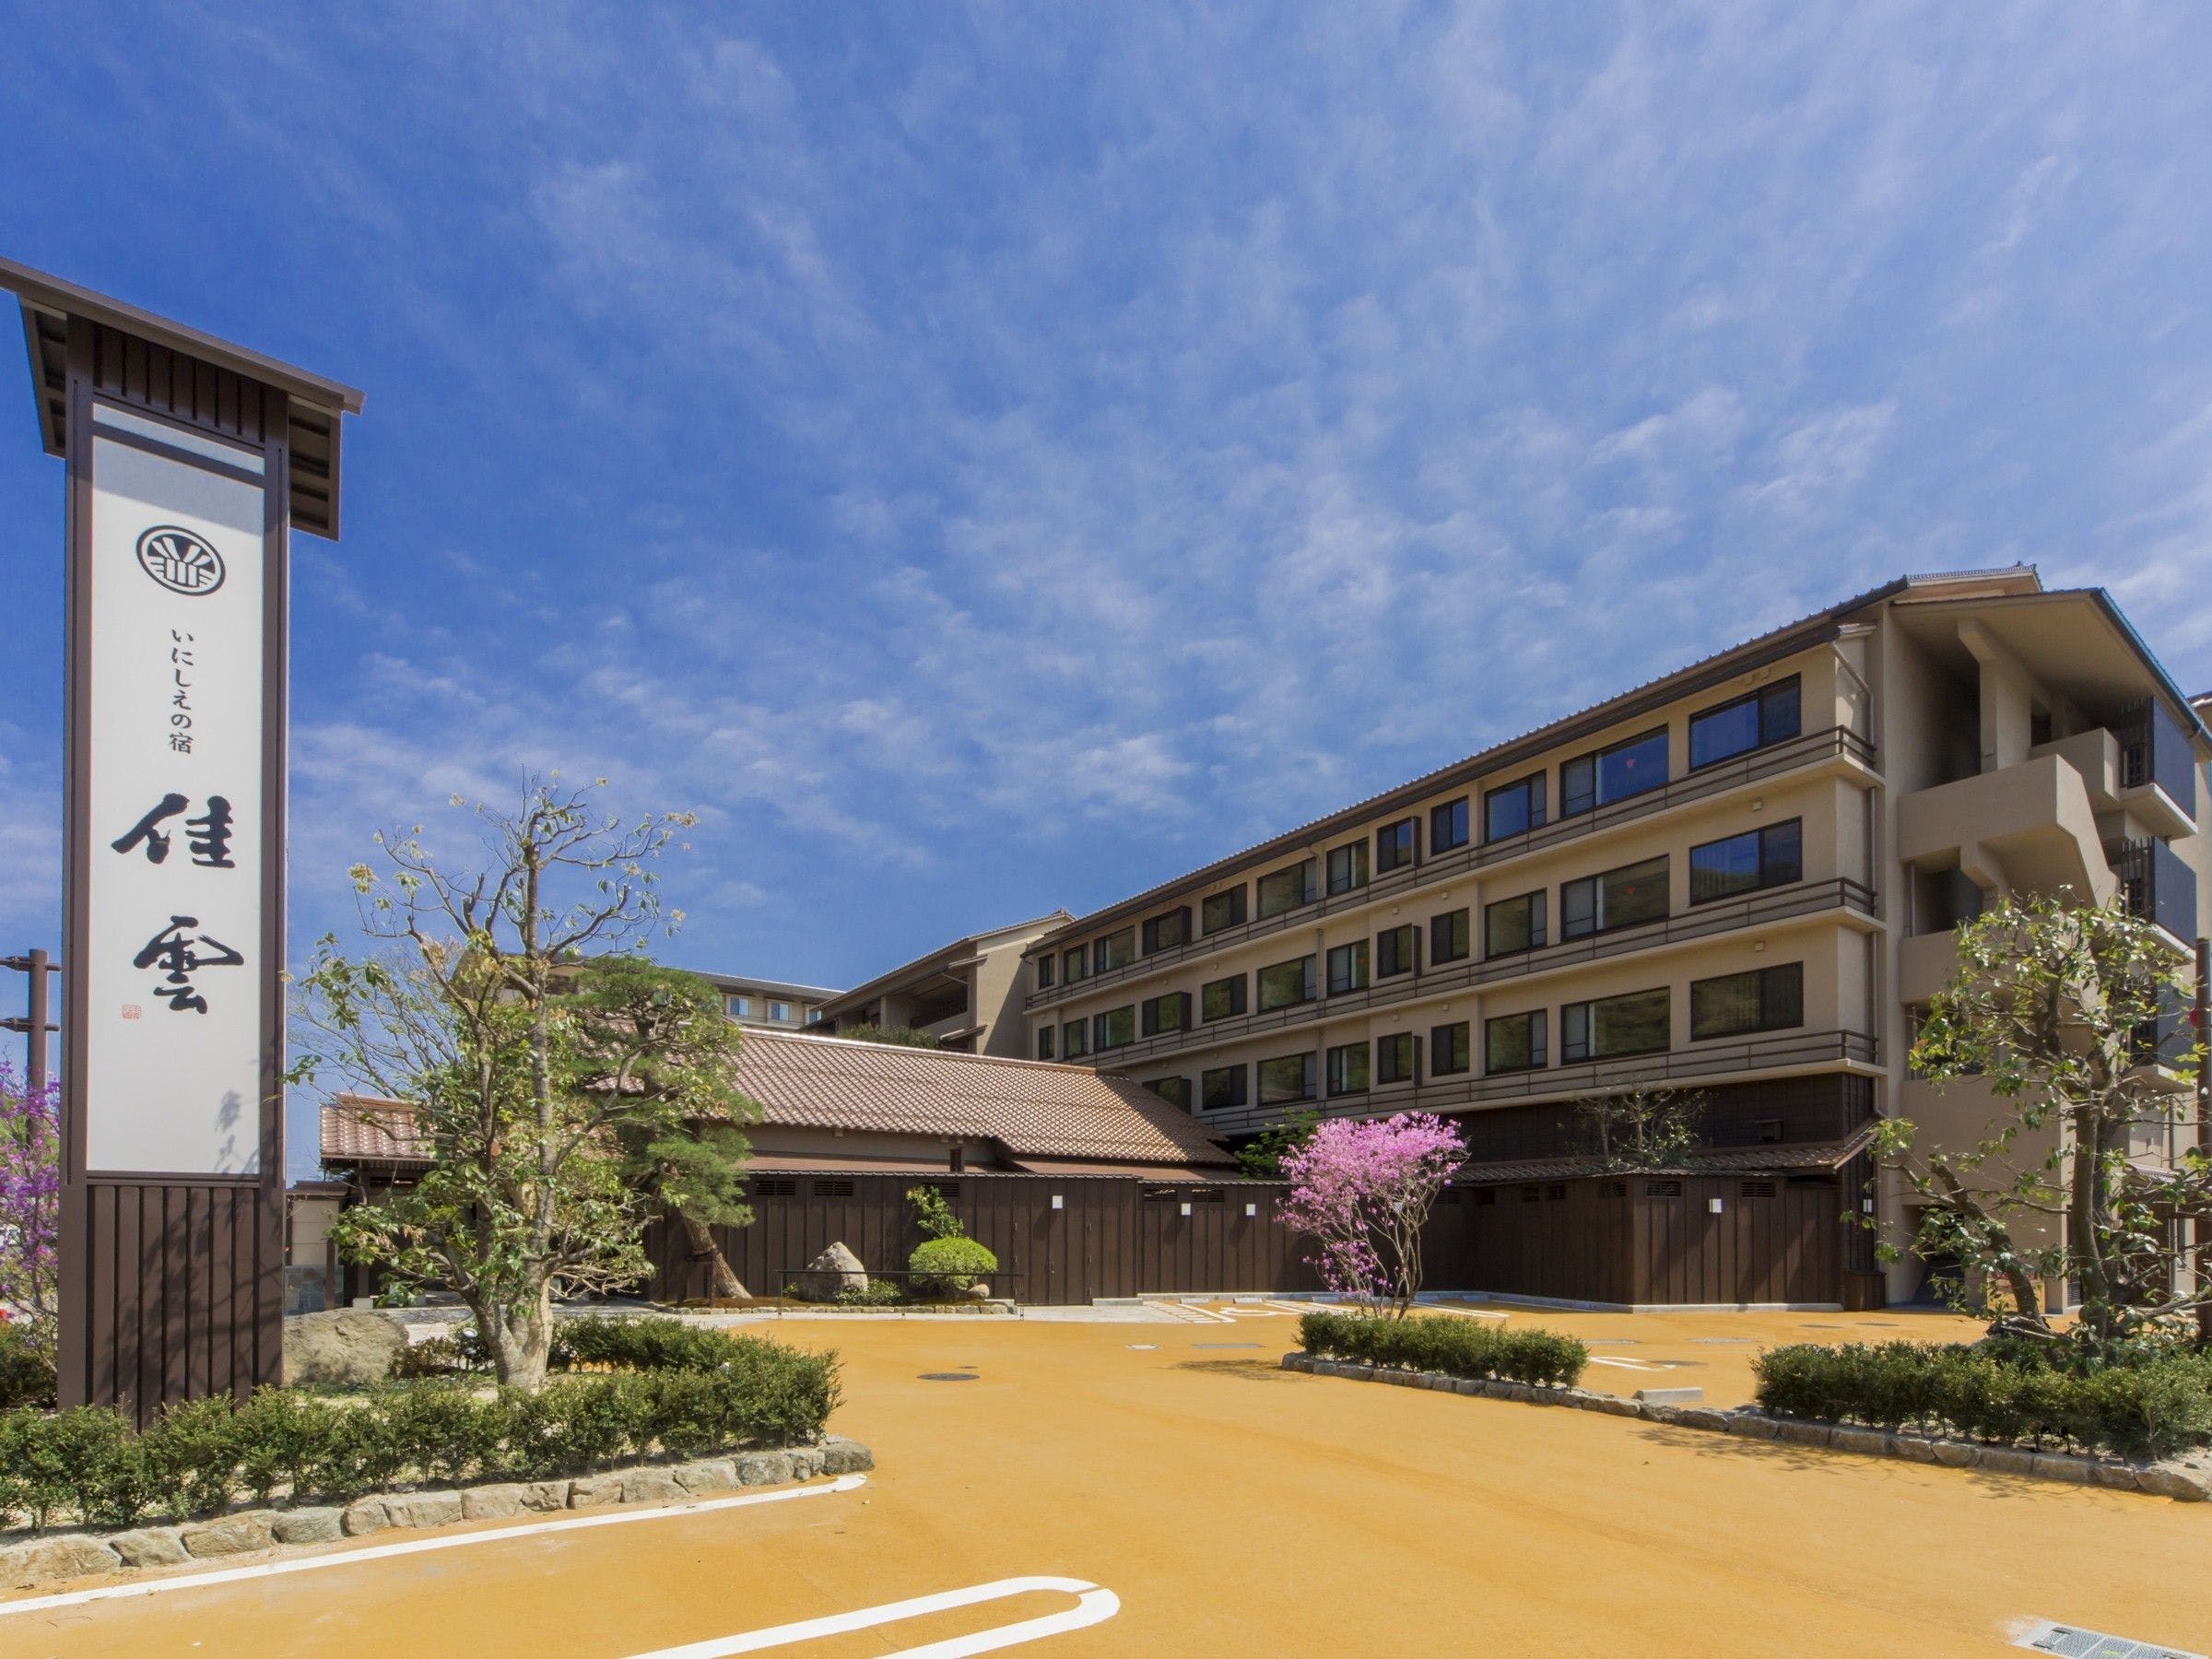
(1093, 1605)
(1637, 1365)
(378, 1552)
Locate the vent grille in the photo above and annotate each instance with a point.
(774, 1186)
(1662, 1189)
(833, 1189)
(2075, 1643)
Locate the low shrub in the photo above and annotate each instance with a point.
(1455, 1347)
(2007, 1393)
(947, 1267)
(680, 1391)
(876, 1293)
(26, 1366)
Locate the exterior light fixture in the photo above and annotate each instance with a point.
(1713, 1205)
(1251, 1209)
(1186, 1209)
(1058, 1201)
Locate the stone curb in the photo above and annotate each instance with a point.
(2183, 1482)
(39, 1562)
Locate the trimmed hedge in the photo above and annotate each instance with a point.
(1456, 1347)
(942, 1267)
(1998, 1393)
(680, 1397)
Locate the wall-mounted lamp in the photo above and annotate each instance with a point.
(1713, 1205)
(1058, 1201)
(1251, 1209)
(1186, 1209)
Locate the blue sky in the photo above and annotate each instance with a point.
(990, 458)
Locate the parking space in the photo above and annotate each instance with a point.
(1204, 1500)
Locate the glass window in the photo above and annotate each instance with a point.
(1394, 1058)
(1768, 715)
(1513, 1042)
(1448, 1048)
(1347, 1069)
(1116, 1028)
(1075, 1040)
(1394, 846)
(1221, 998)
(1633, 1023)
(1448, 826)
(1222, 1086)
(1766, 999)
(1286, 889)
(1117, 950)
(1347, 970)
(1774, 857)
(1044, 972)
(1512, 925)
(1289, 1078)
(1287, 982)
(1613, 774)
(740, 1008)
(1169, 1013)
(1222, 910)
(1393, 952)
(1512, 809)
(1176, 1091)
(779, 1010)
(1075, 964)
(1347, 866)
(1448, 937)
(1045, 1043)
(1165, 933)
(1623, 898)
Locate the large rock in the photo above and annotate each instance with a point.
(354, 1344)
(835, 1269)
(45, 1560)
(233, 1534)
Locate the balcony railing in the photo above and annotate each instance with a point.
(2156, 884)
(1814, 748)
(2155, 749)
(1791, 1051)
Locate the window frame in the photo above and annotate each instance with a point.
(1304, 871)
(1770, 974)
(1041, 969)
(1150, 942)
(1538, 927)
(1759, 696)
(1538, 1043)
(1406, 831)
(1358, 965)
(1405, 1063)
(1339, 1068)
(1047, 1039)
(1588, 1009)
(1182, 1099)
(1100, 1027)
(1239, 994)
(1454, 817)
(1240, 1072)
(1409, 933)
(1597, 884)
(1075, 964)
(1074, 1039)
(1596, 759)
(1304, 1057)
(1359, 868)
(1102, 949)
(1233, 899)
(1763, 881)
(1148, 1026)
(1461, 1048)
(1458, 949)
(1534, 809)
(1309, 973)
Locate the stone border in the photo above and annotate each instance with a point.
(2186, 1482)
(38, 1561)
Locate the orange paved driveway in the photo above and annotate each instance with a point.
(1235, 1507)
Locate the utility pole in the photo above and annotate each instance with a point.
(34, 1024)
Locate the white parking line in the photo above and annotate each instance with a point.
(1093, 1605)
(379, 1552)
(1635, 1365)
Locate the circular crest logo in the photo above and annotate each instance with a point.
(180, 561)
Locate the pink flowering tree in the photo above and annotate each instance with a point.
(30, 1185)
(1362, 1192)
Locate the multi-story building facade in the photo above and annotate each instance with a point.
(1740, 878)
(770, 1005)
(967, 994)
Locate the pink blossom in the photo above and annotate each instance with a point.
(1363, 1191)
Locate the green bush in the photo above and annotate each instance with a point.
(876, 1293)
(947, 1267)
(681, 1391)
(2152, 1405)
(1455, 1347)
(26, 1366)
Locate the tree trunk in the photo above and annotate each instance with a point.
(721, 1283)
(520, 1342)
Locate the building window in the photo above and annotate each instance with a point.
(1393, 952)
(1116, 1028)
(1448, 937)
(1044, 1043)
(1169, 1013)
(1075, 965)
(1394, 1058)
(1613, 1189)
(1627, 897)
(1347, 866)
(1117, 950)
(1448, 1048)
(1774, 857)
(1289, 1078)
(1286, 889)
(1287, 982)
(1222, 910)
(1044, 972)
(1513, 1042)
(1075, 1040)
(1176, 1091)
(1221, 998)
(1165, 933)
(1394, 846)
(1768, 715)
(1613, 774)
(1485, 1195)
(1347, 970)
(779, 1010)
(1766, 999)
(1636, 1022)
(1514, 809)
(1221, 1088)
(1513, 925)
(1447, 826)
(1347, 1070)
(740, 1008)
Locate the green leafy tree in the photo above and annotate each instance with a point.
(1641, 1127)
(1261, 1157)
(896, 1036)
(2049, 1009)
(464, 1006)
(933, 1216)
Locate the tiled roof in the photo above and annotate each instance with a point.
(1031, 1108)
(1718, 1160)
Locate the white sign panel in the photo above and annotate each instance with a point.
(172, 854)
